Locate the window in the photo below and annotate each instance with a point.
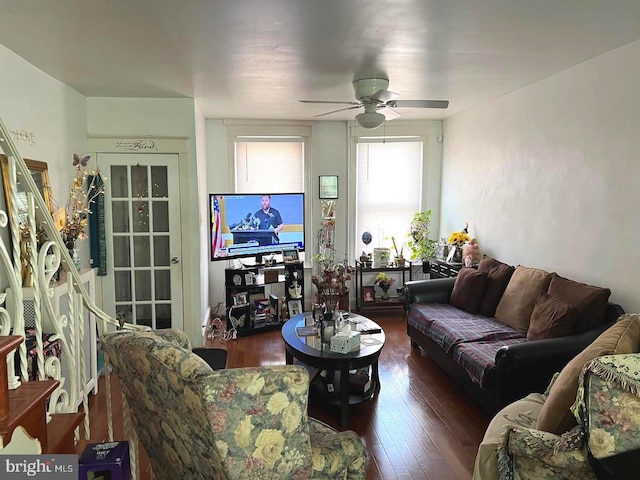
(269, 165)
(388, 189)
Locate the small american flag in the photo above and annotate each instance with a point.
(216, 228)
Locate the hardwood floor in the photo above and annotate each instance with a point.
(418, 426)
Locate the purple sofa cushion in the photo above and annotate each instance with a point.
(448, 326)
(479, 358)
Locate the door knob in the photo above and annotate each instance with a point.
(175, 260)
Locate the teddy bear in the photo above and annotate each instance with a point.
(471, 254)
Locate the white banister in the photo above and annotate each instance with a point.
(68, 330)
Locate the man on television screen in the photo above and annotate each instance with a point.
(270, 218)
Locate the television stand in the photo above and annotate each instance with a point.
(247, 298)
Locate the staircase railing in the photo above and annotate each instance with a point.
(68, 330)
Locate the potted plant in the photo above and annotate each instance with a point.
(399, 258)
(421, 245)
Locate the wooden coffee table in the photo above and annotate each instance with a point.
(317, 355)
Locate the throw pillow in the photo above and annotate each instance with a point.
(551, 318)
(622, 337)
(591, 301)
(498, 276)
(468, 289)
(520, 296)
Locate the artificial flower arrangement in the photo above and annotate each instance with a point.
(458, 239)
(384, 281)
(332, 283)
(74, 217)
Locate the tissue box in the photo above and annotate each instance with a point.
(342, 343)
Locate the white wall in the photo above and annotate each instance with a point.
(174, 117)
(218, 181)
(33, 102)
(329, 156)
(203, 222)
(547, 176)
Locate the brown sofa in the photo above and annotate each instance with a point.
(501, 332)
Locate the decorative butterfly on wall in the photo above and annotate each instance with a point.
(80, 161)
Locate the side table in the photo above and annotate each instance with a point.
(361, 270)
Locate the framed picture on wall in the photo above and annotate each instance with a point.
(328, 186)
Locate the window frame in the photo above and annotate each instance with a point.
(430, 133)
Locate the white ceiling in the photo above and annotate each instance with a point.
(257, 58)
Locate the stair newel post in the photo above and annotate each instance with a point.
(107, 384)
(77, 301)
(7, 346)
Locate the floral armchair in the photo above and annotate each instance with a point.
(197, 423)
(605, 444)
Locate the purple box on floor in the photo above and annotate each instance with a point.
(105, 461)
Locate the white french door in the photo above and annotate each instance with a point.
(142, 221)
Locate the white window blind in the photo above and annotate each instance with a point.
(388, 190)
(269, 166)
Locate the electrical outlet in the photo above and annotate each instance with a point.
(330, 387)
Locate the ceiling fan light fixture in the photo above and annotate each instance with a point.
(370, 119)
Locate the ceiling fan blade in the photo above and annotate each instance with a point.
(418, 103)
(330, 101)
(339, 110)
(388, 113)
(383, 96)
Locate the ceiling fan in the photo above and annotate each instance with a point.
(378, 102)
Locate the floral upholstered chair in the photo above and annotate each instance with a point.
(199, 423)
(606, 442)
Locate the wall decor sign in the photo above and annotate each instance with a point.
(137, 145)
(328, 186)
(24, 136)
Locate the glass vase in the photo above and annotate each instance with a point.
(75, 257)
(327, 327)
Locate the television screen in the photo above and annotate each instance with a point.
(253, 224)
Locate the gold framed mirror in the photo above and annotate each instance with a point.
(40, 174)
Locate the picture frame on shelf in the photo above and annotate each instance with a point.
(368, 294)
(294, 307)
(290, 256)
(328, 186)
(240, 299)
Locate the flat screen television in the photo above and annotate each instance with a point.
(255, 224)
